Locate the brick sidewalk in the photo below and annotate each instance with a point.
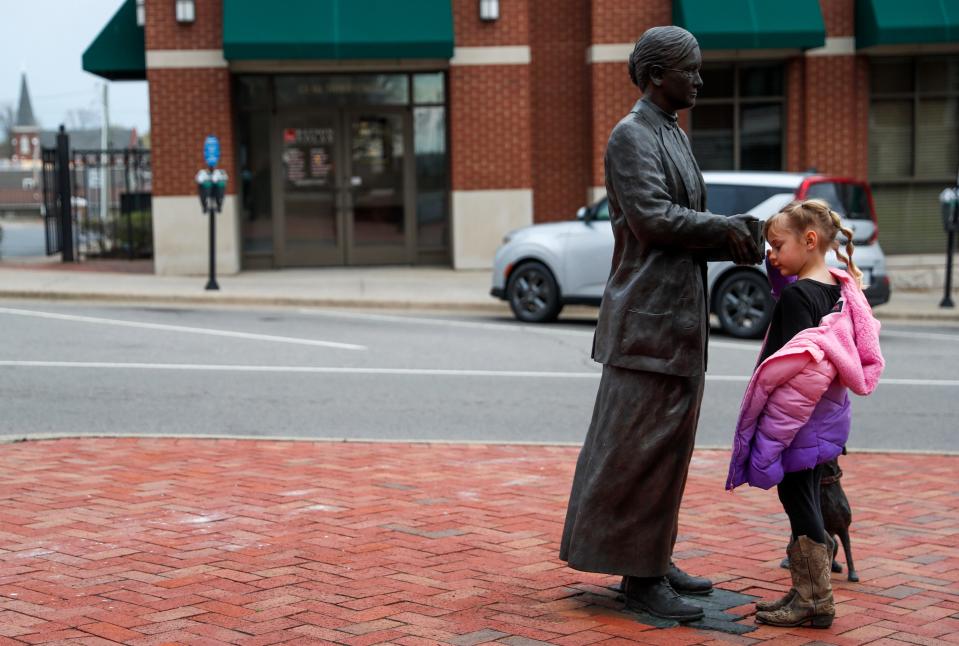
(162, 541)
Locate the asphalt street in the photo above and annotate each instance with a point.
(21, 239)
(70, 368)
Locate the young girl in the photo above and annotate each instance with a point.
(795, 415)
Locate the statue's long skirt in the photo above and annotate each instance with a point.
(623, 510)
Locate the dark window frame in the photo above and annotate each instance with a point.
(915, 95)
(737, 101)
(272, 107)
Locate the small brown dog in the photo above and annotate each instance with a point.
(836, 516)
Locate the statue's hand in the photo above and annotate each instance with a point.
(742, 245)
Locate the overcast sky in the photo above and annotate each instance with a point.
(46, 39)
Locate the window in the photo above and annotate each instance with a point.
(730, 199)
(913, 152)
(913, 119)
(253, 158)
(432, 162)
(259, 98)
(737, 123)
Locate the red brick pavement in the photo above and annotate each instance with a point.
(167, 541)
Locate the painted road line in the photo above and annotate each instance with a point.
(752, 346)
(929, 336)
(181, 328)
(421, 372)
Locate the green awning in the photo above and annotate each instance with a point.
(118, 52)
(337, 29)
(752, 24)
(895, 22)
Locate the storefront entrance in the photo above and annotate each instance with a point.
(345, 198)
(343, 170)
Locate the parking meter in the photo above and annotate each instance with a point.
(218, 188)
(204, 187)
(950, 222)
(948, 202)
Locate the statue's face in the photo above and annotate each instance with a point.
(680, 84)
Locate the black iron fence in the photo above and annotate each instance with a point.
(106, 194)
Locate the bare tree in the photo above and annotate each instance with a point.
(7, 119)
(82, 119)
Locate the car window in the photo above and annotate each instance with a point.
(601, 211)
(848, 200)
(730, 199)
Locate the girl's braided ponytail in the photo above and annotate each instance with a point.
(846, 258)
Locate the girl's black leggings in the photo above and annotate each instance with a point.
(799, 494)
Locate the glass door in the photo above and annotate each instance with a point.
(311, 222)
(379, 187)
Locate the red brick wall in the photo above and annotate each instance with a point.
(827, 108)
(187, 105)
(164, 32)
(795, 91)
(561, 108)
(839, 16)
(490, 127)
(623, 21)
(613, 94)
(836, 109)
(512, 28)
(490, 105)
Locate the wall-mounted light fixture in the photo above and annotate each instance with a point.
(489, 9)
(141, 13)
(185, 11)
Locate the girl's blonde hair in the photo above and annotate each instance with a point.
(802, 215)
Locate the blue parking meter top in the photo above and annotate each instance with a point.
(211, 150)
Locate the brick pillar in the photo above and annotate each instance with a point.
(615, 25)
(835, 100)
(190, 98)
(561, 117)
(490, 117)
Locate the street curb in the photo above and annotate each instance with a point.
(40, 437)
(952, 317)
(352, 303)
(266, 301)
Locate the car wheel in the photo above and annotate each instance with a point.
(533, 293)
(744, 305)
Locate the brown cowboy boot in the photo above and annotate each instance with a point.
(812, 604)
(767, 606)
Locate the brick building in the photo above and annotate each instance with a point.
(374, 131)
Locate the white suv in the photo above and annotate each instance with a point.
(541, 268)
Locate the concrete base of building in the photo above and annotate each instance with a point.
(482, 218)
(595, 194)
(920, 272)
(181, 242)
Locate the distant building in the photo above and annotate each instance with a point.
(421, 131)
(20, 178)
(25, 135)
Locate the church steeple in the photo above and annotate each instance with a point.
(25, 137)
(25, 118)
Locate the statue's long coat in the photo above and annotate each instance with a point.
(651, 336)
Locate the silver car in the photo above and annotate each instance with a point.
(541, 268)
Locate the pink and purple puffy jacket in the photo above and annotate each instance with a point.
(796, 412)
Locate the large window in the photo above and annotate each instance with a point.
(737, 123)
(259, 98)
(913, 147)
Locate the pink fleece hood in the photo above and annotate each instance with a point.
(849, 339)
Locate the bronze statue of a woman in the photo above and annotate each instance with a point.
(651, 338)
